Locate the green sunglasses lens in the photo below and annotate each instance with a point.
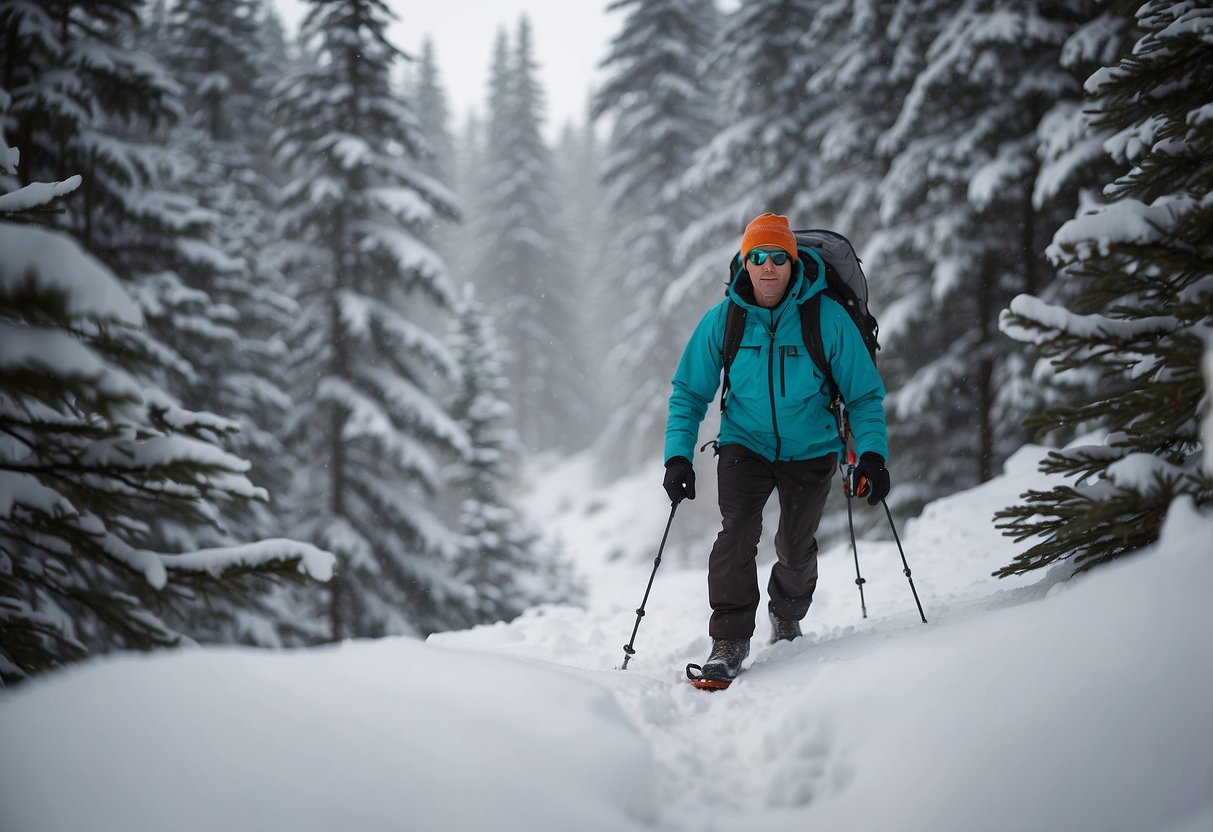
(757, 256)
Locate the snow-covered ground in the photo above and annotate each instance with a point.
(1025, 704)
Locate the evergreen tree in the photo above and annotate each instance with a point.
(1143, 260)
(764, 156)
(218, 48)
(433, 114)
(961, 233)
(584, 220)
(368, 431)
(89, 455)
(86, 97)
(1073, 162)
(505, 564)
(524, 273)
(219, 55)
(440, 159)
(661, 114)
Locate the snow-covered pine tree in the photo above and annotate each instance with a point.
(442, 161)
(961, 233)
(86, 98)
(507, 566)
(763, 156)
(220, 53)
(425, 89)
(523, 274)
(1072, 164)
(861, 83)
(217, 50)
(90, 456)
(368, 431)
(661, 114)
(1144, 260)
(584, 219)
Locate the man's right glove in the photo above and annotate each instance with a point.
(871, 478)
(679, 479)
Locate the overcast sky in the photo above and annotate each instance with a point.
(570, 37)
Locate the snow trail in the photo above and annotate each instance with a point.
(768, 745)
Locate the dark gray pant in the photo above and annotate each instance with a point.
(746, 481)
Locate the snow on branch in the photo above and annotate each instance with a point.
(64, 357)
(1055, 321)
(1143, 473)
(405, 204)
(10, 157)
(27, 492)
(1127, 222)
(56, 263)
(370, 422)
(37, 194)
(313, 562)
(997, 177)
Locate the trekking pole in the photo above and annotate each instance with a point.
(889, 514)
(846, 464)
(628, 650)
(859, 581)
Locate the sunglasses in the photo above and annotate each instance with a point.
(757, 256)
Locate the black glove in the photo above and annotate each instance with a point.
(679, 479)
(870, 478)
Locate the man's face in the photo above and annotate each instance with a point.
(770, 281)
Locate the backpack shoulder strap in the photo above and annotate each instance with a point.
(810, 330)
(734, 329)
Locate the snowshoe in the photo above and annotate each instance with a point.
(722, 666)
(783, 629)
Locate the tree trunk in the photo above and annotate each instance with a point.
(342, 625)
(1031, 272)
(985, 371)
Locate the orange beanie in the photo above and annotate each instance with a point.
(769, 230)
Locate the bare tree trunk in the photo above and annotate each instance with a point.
(1031, 271)
(985, 371)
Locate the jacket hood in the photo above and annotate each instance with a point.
(808, 278)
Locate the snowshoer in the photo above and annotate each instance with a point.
(777, 433)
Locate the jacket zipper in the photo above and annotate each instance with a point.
(771, 385)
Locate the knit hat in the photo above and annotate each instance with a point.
(769, 230)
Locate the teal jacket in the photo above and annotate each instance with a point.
(778, 405)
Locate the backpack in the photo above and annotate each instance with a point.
(845, 283)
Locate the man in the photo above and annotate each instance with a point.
(777, 433)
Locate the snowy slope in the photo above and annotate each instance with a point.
(1029, 704)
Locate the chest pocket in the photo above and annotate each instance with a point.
(798, 376)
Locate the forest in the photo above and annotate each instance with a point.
(280, 340)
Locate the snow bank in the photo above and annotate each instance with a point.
(389, 735)
(1092, 709)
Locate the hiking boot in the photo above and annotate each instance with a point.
(783, 629)
(724, 663)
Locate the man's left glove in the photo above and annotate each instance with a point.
(871, 478)
(679, 479)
